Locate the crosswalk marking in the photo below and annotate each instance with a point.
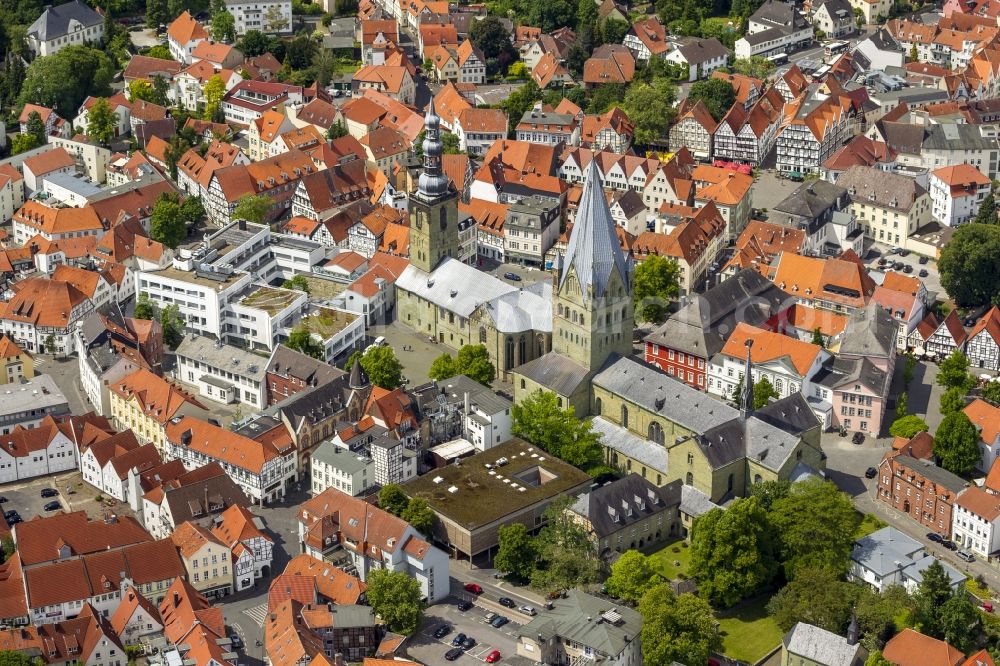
(257, 613)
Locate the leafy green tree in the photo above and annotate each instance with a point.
(960, 622)
(953, 400)
(22, 143)
(166, 224)
(988, 209)
(970, 265)
(908, 426)
(818, 339)
(769, 492)
(911, 363)
(717, 94)
(300, 52)
(953, 372)
(161, 51)
(36, 127)
(551, 15)
(336, 130)
(300, 339)
(676, 628)
(101, 122)
(420, 515)
(604, 97)
(192, 210)
(223, 27)
(15, 658)
(901, 405)
(442, 367)
(391, 498)
(566, 555)
(815, 524)
(274, 19)
(650, 108)
(516, 552)
(297, 282)
(215, 90)
(518, 71)
(50, 343)
(253, 43)
(157, 13)
(817, 596)
(876, 659)
(518, 102)
(491, 37)
(763, 391)
(395, 597)
(732, 552)
(63, 80)
(472, 361)
(145, 309)
(7, 548)
(757, 67)
(956, 443)
(382, 367)
(931, 594)
(253, 208)
(176, 147)
(631, 576)
(172, 322)
(540, 420)
(141, 89)
(877, 612)
(991, 392)
(656, 282)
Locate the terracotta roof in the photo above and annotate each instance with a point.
(981, 658)
(184, 29)
(184, 610)
(318, 112)
(43, 112)
(385, 76)
(131, 601)
(147, 111)
(962, 179)
(811, 278)
(53, 221)
(769, 346)
(361, 110)
(286, 586)
(302, 226)
(214, 52)
(190, 538)
(911, 648)
(156, 397)
(236, 524)
(49, 161)
(269, 125)
(42, 302)
(610, 63)
(980, 503)
(9, 348)
(989, 322)
(385, 142)
(953, 325)
(222, 444)
(652, 34)
(920, 446)
(986, 418)
(743, 85)
(806, 318)
(396, 240)
(144, 67)
(548, 70)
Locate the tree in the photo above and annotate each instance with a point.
(215, 90)
(22, 143)
(420, 515)
(442, 367)
(157, 13)
(876, 659)
(172, 322)
(551, 15)
(300, 339)
(518, 102)
(763, 391)
(960, 622)
(931, 594)
(566, 555)
(908, 426)
(910, 364)
(253, 43)
(901, 405)
(300, 52)
(14, 658)
(395, 597)
(223, 27)
(953, 372)
(606, 96)
(540, 420)
(144, 308)
(757, 67)
(676, 628)
(36, 127)
(970, 265)
(297, 282)
(732, 552)
(50, 343)
(650, 108)
(166, 224)
(956, 443)
(336, 130)
(817, 596)
(952, 400)
(176, 147)
(274, 19)
(382, 367)
(655, 283)
(141, 89)
(631, 576)
(518, 71)
(769, 492)
(991, 392)
(161, 51)
(988, 209)
(63, 80)
(473, 361)
(7, 548)
(253, 208)
(391, 498)
(815, 524)
(876, 612)
(101, 121)
(516, 551)
(717, 95)
(817, 338)
(491, 37)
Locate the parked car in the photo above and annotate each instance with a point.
(512, 276)
(949, 544)
(898, 266)
(442, 631)
(457, 640)
(3, 500)
(904, 252)
(922, 260)
(907, 269)
(468, 643)
(235, 641)
(49, 492)
(14, 518)
(463, 605)
(923, 272)
(858, 438)
(528, 610)
(507, 602)
(474, 588)
(53, 506)
(493, 657)
(871, 473)
(965, 555)
(454, 653)
(499, 621)
(935, 537)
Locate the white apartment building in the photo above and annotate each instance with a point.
(71, 24)
(222, 372)
(975, 522)
(269, 16)
(38, 451)
(336, 467)
(889, 206)
(956, 193)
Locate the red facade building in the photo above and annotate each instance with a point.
(920, 489)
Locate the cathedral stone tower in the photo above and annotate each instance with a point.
(434, 206)
(592, 300)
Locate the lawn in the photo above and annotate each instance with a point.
(870, 523)
(748, 633)
(663, 560)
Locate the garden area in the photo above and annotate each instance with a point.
(748, 631)
(672, 560)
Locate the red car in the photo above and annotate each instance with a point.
(474, 588)
(493, 657)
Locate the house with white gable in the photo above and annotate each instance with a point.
(183, 35)
(948, 337)
(106, 464)
(252, 548)
(41, 451)
(135, 618)
(983, 345)
(975, 522)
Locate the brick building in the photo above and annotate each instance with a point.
(920, 489)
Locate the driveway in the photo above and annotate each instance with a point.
(65, 372)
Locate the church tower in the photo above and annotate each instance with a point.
(434, 206)
(592, 313)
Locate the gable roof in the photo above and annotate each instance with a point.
(185, 29)
(911, 648)
(55, 21)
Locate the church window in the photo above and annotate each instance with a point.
(656, 432)
(624, 416)
(522, 349)
(597, 406)
(482, 335)
(509, 355)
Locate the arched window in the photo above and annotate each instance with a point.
(756, 478)
(729, 484)
(482, 335)
(655, 433)
(624, 416)
(508, 361)
(597, 406)
(689, 479)
(522, 350)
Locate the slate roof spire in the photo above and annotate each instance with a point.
(358, 379)
(594, 251)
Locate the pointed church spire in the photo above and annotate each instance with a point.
(433, 182)
(594, 251)
(358, 379)
(746, 400)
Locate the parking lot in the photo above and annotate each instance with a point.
(932, 281)
(429, 650)
(25, 497)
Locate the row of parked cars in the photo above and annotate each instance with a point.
(13, 517)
